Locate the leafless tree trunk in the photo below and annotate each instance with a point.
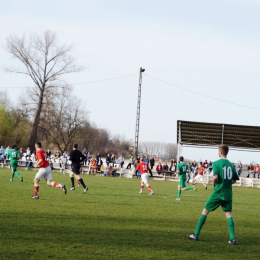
(44, 60)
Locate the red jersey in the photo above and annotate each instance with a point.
(205, 165)
(143, 167)
(200, 171)
(40, 154)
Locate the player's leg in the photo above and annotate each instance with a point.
(16, 172)
(55, 184)
(227, 208)
(144, 178)
(13, 172)
(179, 192)
(212, 204)
(72, 180)
(85, 188)
(39, 175)
(141, 187)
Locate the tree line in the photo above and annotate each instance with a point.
(48, 110)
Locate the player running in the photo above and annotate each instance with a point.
(224, 175)
(182, 169)
(199, 176)
(76, 157)
(144, 168)
(44, 172)
(14, 156)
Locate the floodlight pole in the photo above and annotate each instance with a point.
(138, 113)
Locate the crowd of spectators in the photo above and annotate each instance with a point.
(112, 163)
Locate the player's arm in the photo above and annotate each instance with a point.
(38, 162)
(138, 167)
(215, 177)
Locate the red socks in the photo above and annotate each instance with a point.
(36, 190)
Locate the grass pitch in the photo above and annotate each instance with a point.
(113, 221)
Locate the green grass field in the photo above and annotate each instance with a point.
(113, 221)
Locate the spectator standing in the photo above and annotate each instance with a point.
(152, 162)
(98, 156)
(48, 154)
(239, 169)
(99, 164)
(85, 153)
(28, 153)
(205, 165)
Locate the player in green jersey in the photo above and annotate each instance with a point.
(224, 175)
(14, 155)
(182, 169)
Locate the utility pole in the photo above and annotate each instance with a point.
(138, 114)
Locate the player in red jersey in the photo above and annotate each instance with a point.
(44, 172)
(144, 168)
(199, 176)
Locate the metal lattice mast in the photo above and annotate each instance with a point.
(138, 114)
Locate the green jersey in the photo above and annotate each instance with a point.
(226, 173)
(182, 169)
(13, 155)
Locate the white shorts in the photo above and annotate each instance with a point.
(144, 178)
(199, 178)
(44, 173)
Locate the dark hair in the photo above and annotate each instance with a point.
(39, 144)
(75, 146)
(14, 146)
(181, 159)
(224, 149)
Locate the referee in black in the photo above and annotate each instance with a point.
(76, 157)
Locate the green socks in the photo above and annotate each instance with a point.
(18, 174)
(12, 176)
(231, 228)
(189, 188)
(179, 194)
(200, 224)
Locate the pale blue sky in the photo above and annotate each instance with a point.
(210, 47)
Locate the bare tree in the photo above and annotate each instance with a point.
(44, 60)
(63, 117)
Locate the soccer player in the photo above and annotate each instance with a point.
(182, 169)
(44, 172)
(144, 168)
(76, 158)
(199, 176)
(14, 156)
(224, 175)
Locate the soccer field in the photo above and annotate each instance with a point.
(114, 221)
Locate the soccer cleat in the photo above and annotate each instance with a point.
(72, 188)
(21, 179)
(141, 192)
(10, 180)
(85, 190)
(64, 189)
(178, 199)
(206, 187)
(195, 189)
(192, 236)
(35, 197)
(151, 193)
(234, 242)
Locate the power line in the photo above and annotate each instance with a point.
(197, 93)
(87, 82)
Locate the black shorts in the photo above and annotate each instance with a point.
(76, 168)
